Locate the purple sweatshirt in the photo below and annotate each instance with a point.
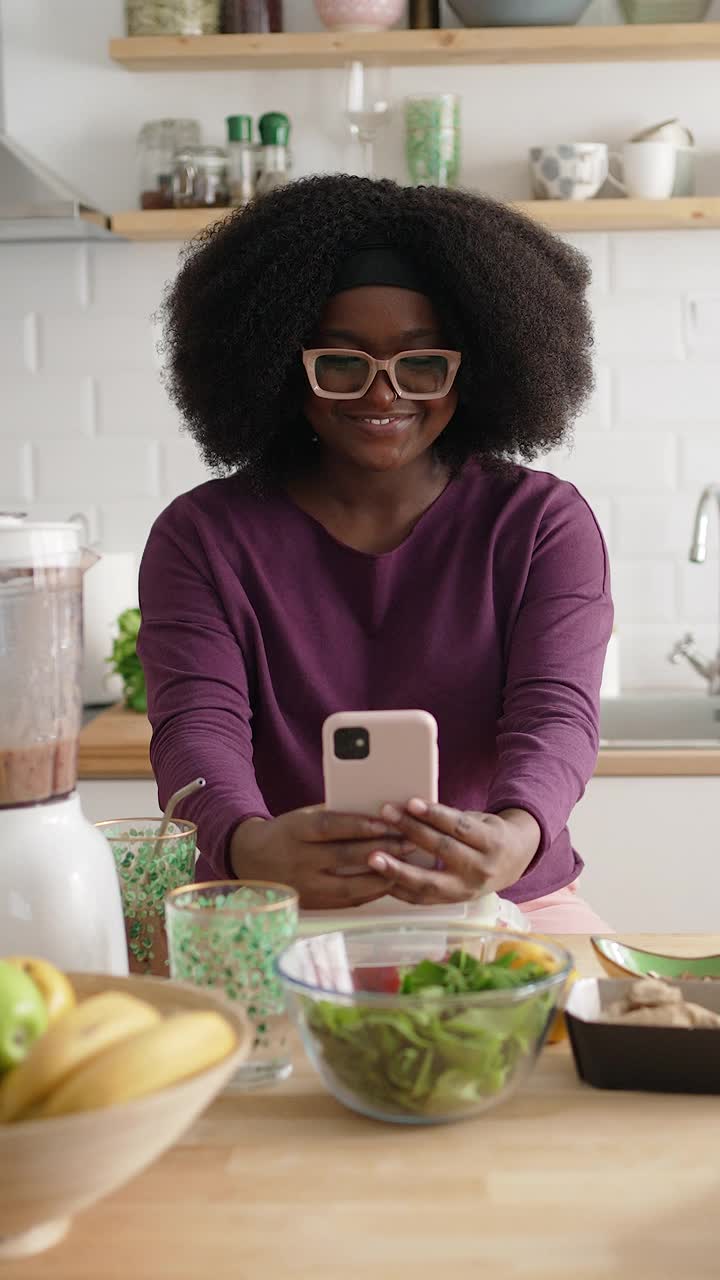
(493, 614)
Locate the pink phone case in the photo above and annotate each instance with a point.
(402, 763)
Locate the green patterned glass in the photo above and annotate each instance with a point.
(432, 140)
(149, 869)
(228, 934)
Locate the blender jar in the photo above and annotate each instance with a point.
(41, 568)
(59, 892)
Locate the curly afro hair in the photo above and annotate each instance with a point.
(510, 296)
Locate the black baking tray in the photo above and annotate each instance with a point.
(649, 1059)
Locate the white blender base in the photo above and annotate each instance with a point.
(59, 890)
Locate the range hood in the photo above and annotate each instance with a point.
(35, 204)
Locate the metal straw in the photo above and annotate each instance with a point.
(171, 806)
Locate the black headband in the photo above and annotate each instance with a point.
(377, 264)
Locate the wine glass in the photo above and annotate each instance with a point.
(367, 106)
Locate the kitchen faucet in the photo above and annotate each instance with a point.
(685, 648)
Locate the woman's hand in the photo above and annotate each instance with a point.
(324, 855)
(475, 853)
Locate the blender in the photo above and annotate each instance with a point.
(59, 892)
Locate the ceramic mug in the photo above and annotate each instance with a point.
(684, 143)
(649, 169)
(568, 170)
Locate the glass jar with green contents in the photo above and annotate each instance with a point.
(172, 17)
(432, 140)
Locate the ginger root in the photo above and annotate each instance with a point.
(654, 1003)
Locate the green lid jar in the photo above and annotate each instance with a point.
(274, 128)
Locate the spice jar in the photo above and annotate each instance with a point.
(251, 16)
(274, 129)
(243, 159)
(172, 17)
(158, 141)
(201, 178)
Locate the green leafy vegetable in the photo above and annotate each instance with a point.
(434, 1058)
(125, 662)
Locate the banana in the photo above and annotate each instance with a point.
(55, 989)
(176, 1047)
(77, 1037)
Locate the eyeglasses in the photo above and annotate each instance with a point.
(346, 375)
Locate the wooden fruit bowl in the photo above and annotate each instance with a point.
(51, 1169)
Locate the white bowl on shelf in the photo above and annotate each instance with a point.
(359, 15)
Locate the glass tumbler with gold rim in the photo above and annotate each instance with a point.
(228, 934)
(149, 866)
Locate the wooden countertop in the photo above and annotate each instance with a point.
(563, 1182)
(115, 745)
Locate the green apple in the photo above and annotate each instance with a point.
(23, 1015)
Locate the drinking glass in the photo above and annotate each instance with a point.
(367, 107)
(149, 868)
(228, 934)
(432, 140)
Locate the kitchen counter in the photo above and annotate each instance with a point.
(115, 745)
(562, 1183)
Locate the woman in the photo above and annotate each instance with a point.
(369, 363)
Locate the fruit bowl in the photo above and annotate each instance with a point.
(423, 1058)
(52, 1168)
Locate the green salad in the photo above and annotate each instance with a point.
(433, 1057)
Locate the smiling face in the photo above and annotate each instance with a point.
(379, 432)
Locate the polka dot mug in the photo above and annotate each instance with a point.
(568, 170)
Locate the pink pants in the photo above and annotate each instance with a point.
(563, 912)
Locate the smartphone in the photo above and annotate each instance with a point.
(372, 758)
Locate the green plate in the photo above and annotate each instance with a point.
(619, 960)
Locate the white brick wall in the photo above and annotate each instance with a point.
(86, 425)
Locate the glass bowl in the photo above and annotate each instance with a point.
(416, 1059)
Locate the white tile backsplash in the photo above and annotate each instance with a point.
(666, 260)
(86, 424)
(95, 340)
(41, 277)
(700, 459)
(88, 469)
(15, 474)
(182, 467)
(134, 403)
(125, 525)
(17, 334)
(644, 590)
(675, 393)
(657, 526)
(56, 405)
(698, 595)
(627, 327)
(644, 650)
(617, 462)
(131, 277)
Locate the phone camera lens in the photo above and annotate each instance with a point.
(352, 743)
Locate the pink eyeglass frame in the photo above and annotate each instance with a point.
(376, 366)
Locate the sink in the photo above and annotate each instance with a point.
(660, 720)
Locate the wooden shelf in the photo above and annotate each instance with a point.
(559, 215)
(679, 214)
(632, 43)
(163, 224)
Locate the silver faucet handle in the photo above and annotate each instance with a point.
(682, 648)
